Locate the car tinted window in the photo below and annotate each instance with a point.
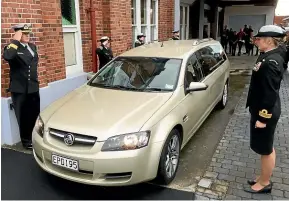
(139, 73)
(194, 71)
(211, 57)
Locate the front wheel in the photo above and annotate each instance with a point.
(169, 160)
(223, 102)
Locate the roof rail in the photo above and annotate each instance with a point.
(198, 41)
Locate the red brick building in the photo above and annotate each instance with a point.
(280, 20)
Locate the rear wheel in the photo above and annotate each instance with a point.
(223, 102)
(169, 160)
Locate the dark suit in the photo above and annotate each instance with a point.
(264, 101)
(138, 43)
(175, 38)
(105, 55)
(24, 86)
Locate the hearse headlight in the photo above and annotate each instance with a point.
(129, 141)
(39, 126)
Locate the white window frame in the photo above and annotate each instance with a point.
(78, 68)
(184, 26)
(138, 25)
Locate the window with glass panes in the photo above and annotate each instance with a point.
(71, 36)
(144, 19)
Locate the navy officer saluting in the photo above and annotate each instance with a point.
(24, 86)
(104, 52)
(264, 102)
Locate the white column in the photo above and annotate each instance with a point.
(148, 16)
(201, 20)
(138, 19)
(177, 15)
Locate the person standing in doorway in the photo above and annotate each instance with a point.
(24, 85)
(264, 103)
(104, 52)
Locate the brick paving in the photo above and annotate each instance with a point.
(234, 163)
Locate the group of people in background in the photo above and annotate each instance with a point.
(243, 38)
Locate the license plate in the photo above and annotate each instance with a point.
(64, 162)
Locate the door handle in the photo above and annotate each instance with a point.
(185, 118)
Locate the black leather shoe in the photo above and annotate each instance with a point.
(251, 182)
(28, 146)
(266, 189)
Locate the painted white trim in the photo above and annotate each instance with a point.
(78, 68)
(185, 30)
(49, 94)
(177, 15)
(157, 20)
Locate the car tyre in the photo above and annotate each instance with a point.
(169, 160)
(223, 102)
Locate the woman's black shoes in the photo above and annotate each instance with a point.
(266, 189)
(251, 182)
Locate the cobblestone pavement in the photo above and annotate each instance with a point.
(233, 162)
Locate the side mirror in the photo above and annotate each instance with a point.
(197, 86)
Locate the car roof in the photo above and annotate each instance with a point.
(168, 49)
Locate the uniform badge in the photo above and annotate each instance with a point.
(257, 66)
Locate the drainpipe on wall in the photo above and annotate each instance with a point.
(93, 37)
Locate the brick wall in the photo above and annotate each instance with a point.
(18, 11)
(166, 19)
(53, 40)
(278, 20)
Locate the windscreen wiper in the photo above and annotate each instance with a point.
(124, 87)
(156, 89)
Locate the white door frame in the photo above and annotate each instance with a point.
(184, 30)
(78, 68)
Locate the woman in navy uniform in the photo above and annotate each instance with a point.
(24, 86)
(264, 103)
(104, 52)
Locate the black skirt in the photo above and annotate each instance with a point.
(262, 139)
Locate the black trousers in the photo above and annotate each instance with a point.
(27, 109)
(224, 43)
(240, 45)
(230, 46)
(234, 47)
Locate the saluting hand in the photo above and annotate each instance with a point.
(17, 35)
(260, 125)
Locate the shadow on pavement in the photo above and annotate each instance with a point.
(23, 179)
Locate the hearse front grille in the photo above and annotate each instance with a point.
(78, 138)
